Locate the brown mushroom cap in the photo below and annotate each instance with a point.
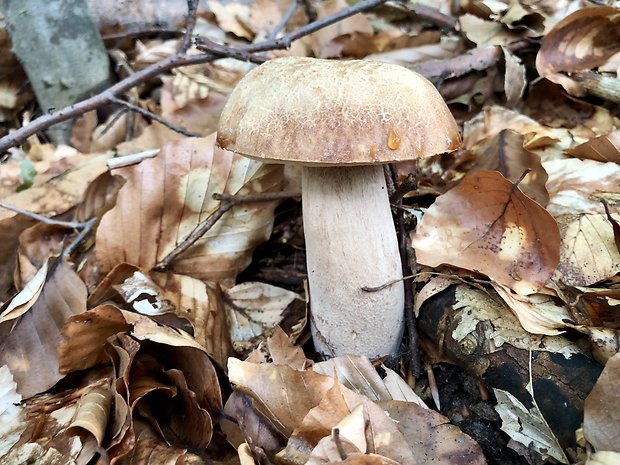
(322, 112)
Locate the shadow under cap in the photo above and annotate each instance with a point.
(322, 112)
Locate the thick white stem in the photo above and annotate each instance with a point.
(351, 243)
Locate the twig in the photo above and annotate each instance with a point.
(432, 15)
(44, 219)
(227, 202)
(478, 59)
(86, 229)
(408, 185)
(284, 19)
(415, 363)
(190, 24)
(128, 160)
(175, 60)
(153, 116)
(225, 51)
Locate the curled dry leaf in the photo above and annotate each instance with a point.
(30, 349)
(602, 409)
(26, 298)
(165, 198)
(602, 148)
(201, 303)
(582, 41)
(537, 313)
(487, 224)
(578, 186)
(93, 412)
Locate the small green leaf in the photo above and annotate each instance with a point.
(27, 172)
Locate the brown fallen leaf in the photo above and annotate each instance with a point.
(601, 409)
(325, 42)
(255, 309)
(165, 198)
(603, 148)
(505, 153)
(579, 186)
(201, 304)
(30, 349)
(588, 252)
(487, 224)
(431, 436)
(582, 41)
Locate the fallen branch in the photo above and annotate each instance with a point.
(227, 202)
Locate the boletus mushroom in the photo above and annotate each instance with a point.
(341, 120)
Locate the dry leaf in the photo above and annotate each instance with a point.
(582, 41)
(505, 153)
(514, 78)
(527, 426)
(201, 303)
(254, 309)
(370, 432)
(588, 252)
(537, 313)
(165, 198)
(92, 413)
(288, 404)
(487, 225)
(358, 374)
(30, 349)
(232, 17)
(578, 186)
(603, 148)
(431, 436)
(26, 298)
(324, 41)
(601, 409)
(12, 421)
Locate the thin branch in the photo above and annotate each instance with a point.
(227, 202)
(288, 14)
(175, 60)
(415, 362)
(225, 51)
(155, 117)
(86, 229)
(43, 219)
(186, 42)
(427, 13)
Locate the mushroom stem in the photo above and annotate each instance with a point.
(350, 244)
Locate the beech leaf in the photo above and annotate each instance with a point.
(582, 41)
(487, 224)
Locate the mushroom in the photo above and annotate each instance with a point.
(341, 120)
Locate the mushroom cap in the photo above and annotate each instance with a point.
(323, 112)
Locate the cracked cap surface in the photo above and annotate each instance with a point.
(324, 112)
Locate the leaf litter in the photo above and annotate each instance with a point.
(106, 353)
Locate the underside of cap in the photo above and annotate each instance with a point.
(323, 112)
